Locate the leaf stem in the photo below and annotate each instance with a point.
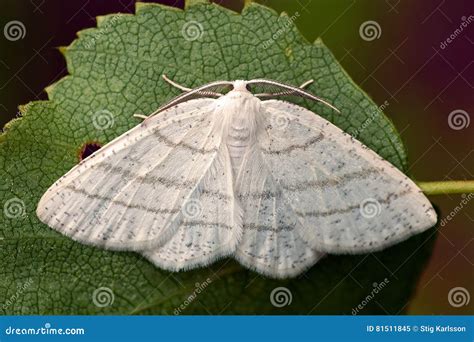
(447, 187)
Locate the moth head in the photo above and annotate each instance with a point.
(240, 85)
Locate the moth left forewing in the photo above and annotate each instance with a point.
(345, 196)
(133, 194)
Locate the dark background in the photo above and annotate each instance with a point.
(406, 66)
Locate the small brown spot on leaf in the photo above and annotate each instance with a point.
(88, 149)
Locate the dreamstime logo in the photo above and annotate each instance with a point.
(199, 288)
(103, 119)
(14, 208)
(280, 121)
(14, 30)
(465, 200)
(377, 287)
(45, 330)
(370, 208)
(192, 30)
(280, 297)
(286, 25)
(102, 297)
(458, 119)
(23, 109)
(19, 292)
(459, 296)
(370, 30)
(375, 112)
(192, 208)
(465, 22)
(101, 32)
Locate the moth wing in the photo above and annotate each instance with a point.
(342, 196)
(271, 242)
(205, 235)
(135, 192)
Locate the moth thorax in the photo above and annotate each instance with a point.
(243, 115)
(241, 129)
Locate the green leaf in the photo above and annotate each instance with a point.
(116, 69)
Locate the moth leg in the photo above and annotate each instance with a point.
(140, 116)
(287, 92)
(174, 84)
(305, 84)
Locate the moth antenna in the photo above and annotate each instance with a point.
(283, 93)
(290, 90)
(187, 90)
(202, 91)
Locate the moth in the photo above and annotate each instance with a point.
(223, 171)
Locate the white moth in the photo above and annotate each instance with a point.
(267, 182)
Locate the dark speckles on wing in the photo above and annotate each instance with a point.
(390, 197)
(294, 147)
(207, 224)
(318, 184)
(165, 140)
(331, 182)
(126, 205)
(266, 227)
(167, 182)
